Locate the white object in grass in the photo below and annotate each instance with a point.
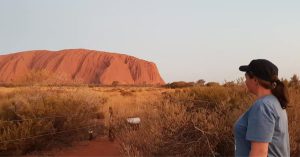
(134, 120)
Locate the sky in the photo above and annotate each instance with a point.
(187, 39)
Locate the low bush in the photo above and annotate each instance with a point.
(35, 119)
(196, 121)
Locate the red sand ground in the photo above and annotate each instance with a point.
(100, 146)
(96, 147)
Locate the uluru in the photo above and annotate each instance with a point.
(80, 66)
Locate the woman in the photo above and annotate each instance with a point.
(263, 129)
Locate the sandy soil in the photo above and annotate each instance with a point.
(96, 147)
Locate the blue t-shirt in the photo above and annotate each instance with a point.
(265, 121)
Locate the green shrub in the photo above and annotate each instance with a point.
(180, 84)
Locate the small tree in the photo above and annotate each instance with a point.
(180, 84)
(229, 84)
(285, 82)
(200, 82)
(212, 84)
(294, 82)
(115, 83)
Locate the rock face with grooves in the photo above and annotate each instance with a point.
(80, 65)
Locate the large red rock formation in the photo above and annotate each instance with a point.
(79, 65)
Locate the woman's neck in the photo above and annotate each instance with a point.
(261, 92)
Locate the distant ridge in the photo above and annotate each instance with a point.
(80, 66)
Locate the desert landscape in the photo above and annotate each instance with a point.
(149, 78)
(43, 114)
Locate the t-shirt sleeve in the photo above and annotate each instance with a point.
(261, 123)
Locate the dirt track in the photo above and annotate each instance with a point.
(96, 147)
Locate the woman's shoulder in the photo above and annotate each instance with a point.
(267, 103)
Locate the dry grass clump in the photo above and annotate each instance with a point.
(126, 93)
(294, 120)
(50, 117)
(196, 121)
(186, 122)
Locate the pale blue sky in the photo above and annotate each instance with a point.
(187, 39)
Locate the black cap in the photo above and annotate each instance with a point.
(263, 69)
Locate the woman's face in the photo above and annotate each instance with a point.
(251, 84)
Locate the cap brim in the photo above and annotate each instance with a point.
(244, 68)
